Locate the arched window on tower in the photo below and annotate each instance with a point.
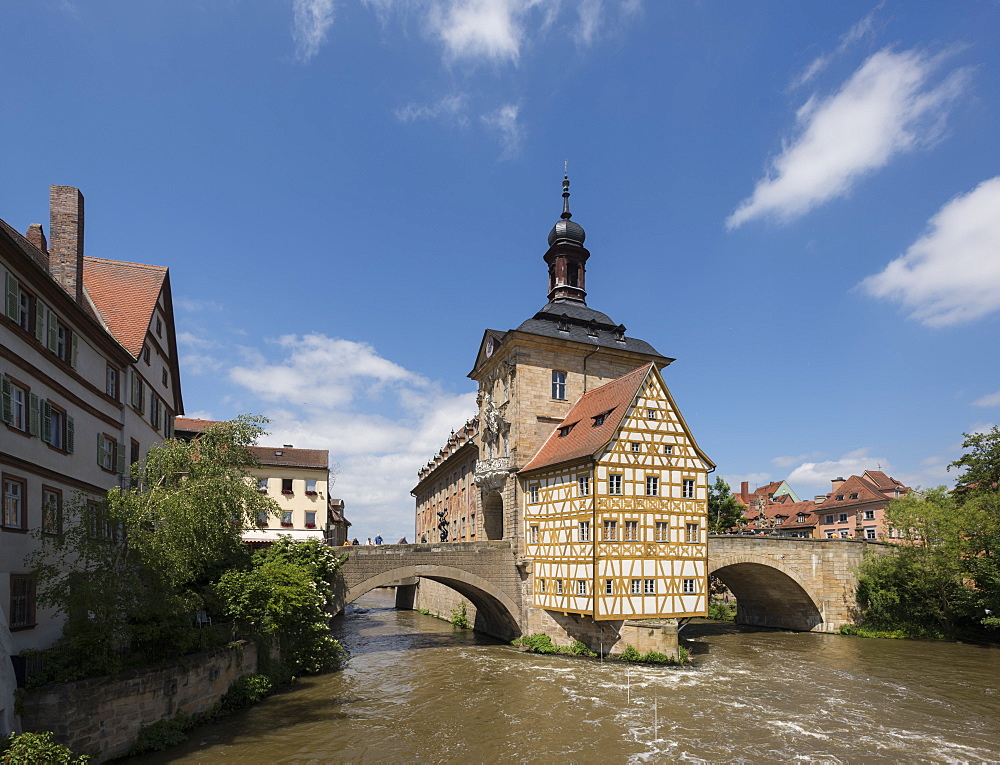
(573, 275)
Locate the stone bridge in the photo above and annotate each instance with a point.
(783, 582)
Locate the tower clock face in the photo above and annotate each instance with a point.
(490, 347)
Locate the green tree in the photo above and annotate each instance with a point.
(724, 511)
(285, 597)
(131, 570)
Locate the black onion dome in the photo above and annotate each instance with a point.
(567, 229)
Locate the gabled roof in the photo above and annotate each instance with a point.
(790, 511)
(567, 319)
(866, 491)
(125, 296)
(584, 438)
(283, 456)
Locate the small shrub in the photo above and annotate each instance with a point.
(161, 734)
(246, 691)
(459, 618)
(579, 648)
(423, 611)
(655, 657)
(537, 643)
(721, 611)
(35, 748)
(630, 654)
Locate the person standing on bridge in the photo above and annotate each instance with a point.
(378, 539)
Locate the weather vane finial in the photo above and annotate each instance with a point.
(566, 214)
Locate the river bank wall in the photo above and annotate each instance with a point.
(102, 716)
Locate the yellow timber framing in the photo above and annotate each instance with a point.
(649, 574)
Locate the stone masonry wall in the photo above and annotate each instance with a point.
(102, 716)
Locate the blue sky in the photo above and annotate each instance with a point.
(798, 201)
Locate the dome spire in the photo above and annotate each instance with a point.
(566, 214)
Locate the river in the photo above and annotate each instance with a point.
(415, 690)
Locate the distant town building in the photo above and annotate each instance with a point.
(297, 479)
(854, 509)
(90, 380)
(447, 497)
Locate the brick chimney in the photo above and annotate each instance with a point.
(36, 236)
(835, 484)
(66, 230)
(745, 488)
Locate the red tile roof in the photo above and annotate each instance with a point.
(789, 511)
(125, 295)
(190, 424)
(584, 438)
(867, 491)
(283, 456)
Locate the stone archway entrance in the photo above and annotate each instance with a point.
(767, 597)
(493, 515)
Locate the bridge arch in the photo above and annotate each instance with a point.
(767, 593)
(496, 612)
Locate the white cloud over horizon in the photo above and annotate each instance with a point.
(992, 399)
(887, 107)
(379, 421)
(951, 274)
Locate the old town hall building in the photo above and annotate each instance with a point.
(580, 458)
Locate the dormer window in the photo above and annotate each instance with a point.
(565, 429)
(600, 418)
(854, 495)
(592, 329)
(802, 518)
(840, 497)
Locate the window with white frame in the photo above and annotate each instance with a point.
(107, 450)
(609, 586)
(635, 446)
(663, 531)
(533, 535)
(830, 534)
(583, 485)
(687, 488)
(154, 412)
(57, 427)
(870, 532)
(111, 382)
(533, 493)
(286, 517)
(559, 586)
(583, 531)
(581, 586)
(541, 586)
(652, 486)
(692, 533)
(13, 503)
(842, 518)
(869, 515)
(614, 483)
(632, 531)
(310, 519)
(262, 517)
(648, 586)
(15, 404)
(310, 486)
(689, 587)
(845, 534)
(827, 519)
(668, 449)
(635, 587)
(651, 414)
(558, 385)
(611, 531)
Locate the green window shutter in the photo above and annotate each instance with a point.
(100, 449)
(8, 411)
(46, 420)
(70, 434)
(120, 459)
(53, 335)
(13, 295)
(40, 321)
(72, 349)
(142, 393)
(33, 415)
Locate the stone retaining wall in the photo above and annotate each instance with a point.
(102, 716)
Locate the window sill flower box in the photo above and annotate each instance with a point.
(311, 493)
(287, 491)
(286, 524)
(262, 489)
(310, 525)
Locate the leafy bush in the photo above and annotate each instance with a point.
(721, 611)
(459, 617)
(35, 749)
(537, 643)
(246, 691)
(630, 654)
(579, 648)
(161, 734)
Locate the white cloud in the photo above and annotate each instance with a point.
(784, 462)
(817, 475)
(886, 107)
(199, 364)
(193, 306)
(993, 399)
(310, 21)
(505, 120)
(450, 108)
(951, 275)
(473, 29)
(378, 420)
(858, 31)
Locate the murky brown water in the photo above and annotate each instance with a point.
(415, 691)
